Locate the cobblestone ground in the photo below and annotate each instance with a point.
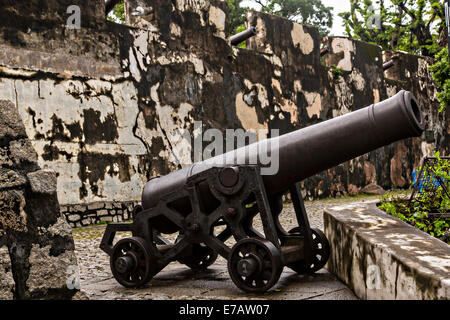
(177, 281)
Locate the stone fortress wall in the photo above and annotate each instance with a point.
(101, 104)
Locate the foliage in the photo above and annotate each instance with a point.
(421, 211)
(118, 13)
(236, 16)
(441, 75)
(312, 12)
(413, 26)
(337, 72)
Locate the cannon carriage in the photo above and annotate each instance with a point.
(227, 191)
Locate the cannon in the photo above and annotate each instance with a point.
(242, 36)
(211, 206)
(389, 64)
(324, 51)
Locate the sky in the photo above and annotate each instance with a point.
(339, 6)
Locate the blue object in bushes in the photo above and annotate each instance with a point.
(430, 180)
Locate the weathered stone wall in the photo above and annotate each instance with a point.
(36, 244)
(102, 105)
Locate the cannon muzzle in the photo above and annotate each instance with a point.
(306, 152)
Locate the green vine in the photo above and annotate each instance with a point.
(424, 210)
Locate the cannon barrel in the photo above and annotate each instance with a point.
(388, 64)
(308, 151)
(242, 36)
(324, 51)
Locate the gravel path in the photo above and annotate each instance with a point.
(177, 281)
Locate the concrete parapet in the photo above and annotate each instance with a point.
(380, 257)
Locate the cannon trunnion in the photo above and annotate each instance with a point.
(208, 205)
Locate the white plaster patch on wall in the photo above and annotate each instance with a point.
(112, 189)
(154, 92)
(427, 148)
(180, 147)
(261, 36)
(69, 182)
(247, 115)
(285, 104)
(217, 18)
(302, 39)
(141, 39)
(276, 62)
(276, 85)
(357, 78)
(7, 90)
(175, 29)
(97, 87)
(297, 86)
(146, 134)
(344, 97)
(198, 64)
(347, 47)
(48, 99)
(261, 93)
(422, 70)
(134, 70)
(126, 110)
(67, 100)
(290, 107)
(16, 72)
(175, 58)
(314, 100)
(376, 96)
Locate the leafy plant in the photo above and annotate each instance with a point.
(441, 75)
(413, 26)
(118, 13)
(337, 72)
(312, 12)
(426, 210)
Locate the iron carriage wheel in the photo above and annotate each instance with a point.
(200, 256)
(131, 262)
(255, 265)
(321, 253)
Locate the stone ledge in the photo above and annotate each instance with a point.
(380, 257)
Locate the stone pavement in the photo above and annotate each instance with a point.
(177, 281)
